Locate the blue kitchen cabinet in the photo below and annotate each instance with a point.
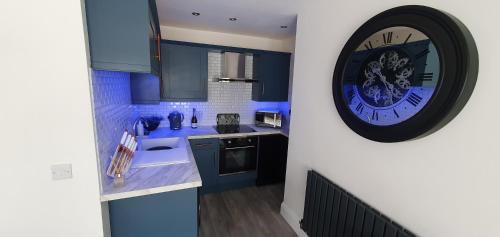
(144, 88)
(154, 37)
(172, 213)
(124, 35)
(184, 73)
(273, 150)
(206, 154)
(272, 70)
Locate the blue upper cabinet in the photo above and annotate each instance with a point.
(184, 73)
(154, 37)
(272, 70)
(144, 88)
(124, 35)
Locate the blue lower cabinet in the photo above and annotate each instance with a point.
(165, 214)
(206, 154)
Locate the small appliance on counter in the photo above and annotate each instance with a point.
(268, 118)
(230, 123)
(175, 119)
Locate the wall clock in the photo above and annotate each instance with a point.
(405, 73)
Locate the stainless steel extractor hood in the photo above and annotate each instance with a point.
(233, 68)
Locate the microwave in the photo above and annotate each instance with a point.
(271, 119)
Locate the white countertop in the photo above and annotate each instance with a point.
(151, 180)
(210, 132)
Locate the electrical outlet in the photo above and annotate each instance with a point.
(61, 171)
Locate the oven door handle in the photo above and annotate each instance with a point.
(239, 147)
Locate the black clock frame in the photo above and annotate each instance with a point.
(458, 72)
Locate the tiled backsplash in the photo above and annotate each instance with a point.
(112, 110)
(222, 98)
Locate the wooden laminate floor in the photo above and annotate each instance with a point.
(252, 212)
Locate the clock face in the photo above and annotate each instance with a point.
(391, 76)
(404, 74)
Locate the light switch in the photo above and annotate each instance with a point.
(61, 171)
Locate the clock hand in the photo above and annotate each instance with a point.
(388, 86)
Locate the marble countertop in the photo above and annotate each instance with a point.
(151, 180)
(210, 132)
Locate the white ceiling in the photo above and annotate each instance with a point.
(255, 17)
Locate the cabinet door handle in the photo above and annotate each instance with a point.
(158, 40)
(263, 88)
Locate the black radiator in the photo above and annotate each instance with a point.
(329, 210)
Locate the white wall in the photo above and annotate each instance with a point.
(446, 184)
(226, 39)
(46, 119)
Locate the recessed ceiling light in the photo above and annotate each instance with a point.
(233, 19)
(195, 13)
(284, 27)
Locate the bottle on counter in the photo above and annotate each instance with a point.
(194, 120)
(140, 128)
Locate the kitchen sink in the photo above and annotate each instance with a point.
(159, 148)
(148, 144)
(160, 151)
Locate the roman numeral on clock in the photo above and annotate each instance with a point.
(350, 96)
(407, 38)
(414, 99)
(422, 53)
(395, 113)
(375, 115)
(360, 108)
(387, 37)
(369, 45)
(425, 76)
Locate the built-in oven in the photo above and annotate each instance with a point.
(237, 155)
